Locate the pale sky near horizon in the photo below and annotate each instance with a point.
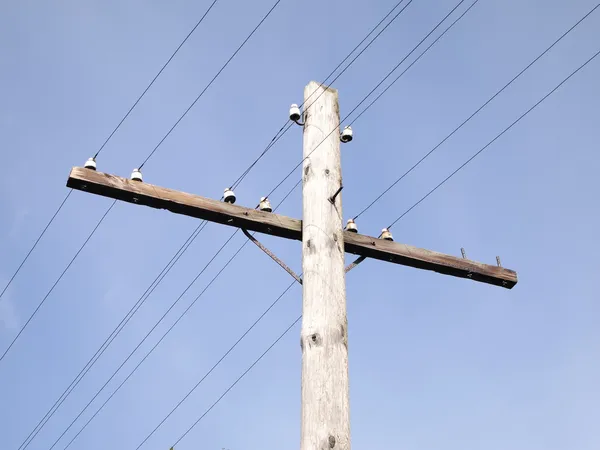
(436, 363)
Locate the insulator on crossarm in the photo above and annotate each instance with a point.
(346, 135)
(265, 205)
(90, 164)
(386, 235)
(136, 175)
(351, 226)
(229, 196)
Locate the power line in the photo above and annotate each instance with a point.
(365, 98)
(206, 88)
(147, 335)
(35, 244)
(298, 319)
(472, 115)
(134, 369)
(237, 381)
(287, 125)
(392, 224)
(154, 79)
(88, 366)
(359, 44)
(415, 61)
(56, 282)
(216, 364)
(108, 139)
(495, 139)
(211, 82)
(195, 101)
(149, 352)
(156, 345)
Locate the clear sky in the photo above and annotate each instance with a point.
(435, 362)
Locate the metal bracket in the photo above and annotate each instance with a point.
(273, 257)
(356, 262)
(332, 198)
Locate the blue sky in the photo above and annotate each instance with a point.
(435, 362)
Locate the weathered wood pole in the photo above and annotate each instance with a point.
(324, 336)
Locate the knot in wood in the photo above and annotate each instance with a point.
(331, 441)
(315, 340)
(344, 336)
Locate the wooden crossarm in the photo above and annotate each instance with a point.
(277, 225)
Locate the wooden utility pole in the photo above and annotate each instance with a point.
(325, 390)
(325, 386)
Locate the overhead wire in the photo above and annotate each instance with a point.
(244, 244)
(211, 370)
(106, 142)
(155, 78)
(415, 61)
(297, 320)
(433, 190)
(496, 94)
(172, 128)
(522, 116)
(339, 65)
(210, 83)
(35, 243)
(287, 125)
(113, 335)
(236, 381)
(76, 382)
(35, 311)
(240, 249)
(99, 391)
(388, 24)
(156, 345)
(273, 141)
(365, 98)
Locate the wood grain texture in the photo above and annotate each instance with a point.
(407, 255)
(183, 203)
(325, 410)
(277, 225)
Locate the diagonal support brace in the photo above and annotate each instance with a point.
(273, 257)
(356, 262)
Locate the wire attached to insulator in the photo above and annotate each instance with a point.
(472, 115)
(522, 116)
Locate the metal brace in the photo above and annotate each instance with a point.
(358, 260)
(273, 257)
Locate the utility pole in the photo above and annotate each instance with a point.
(325, 385)
(324, 340)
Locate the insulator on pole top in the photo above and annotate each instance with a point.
(265, 205)
(386, 235)
(229, 196)
(136, 175)
(351, 226)
(90, 164)
(295, 113)
(346, 135)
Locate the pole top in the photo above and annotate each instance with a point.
(315, 85)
